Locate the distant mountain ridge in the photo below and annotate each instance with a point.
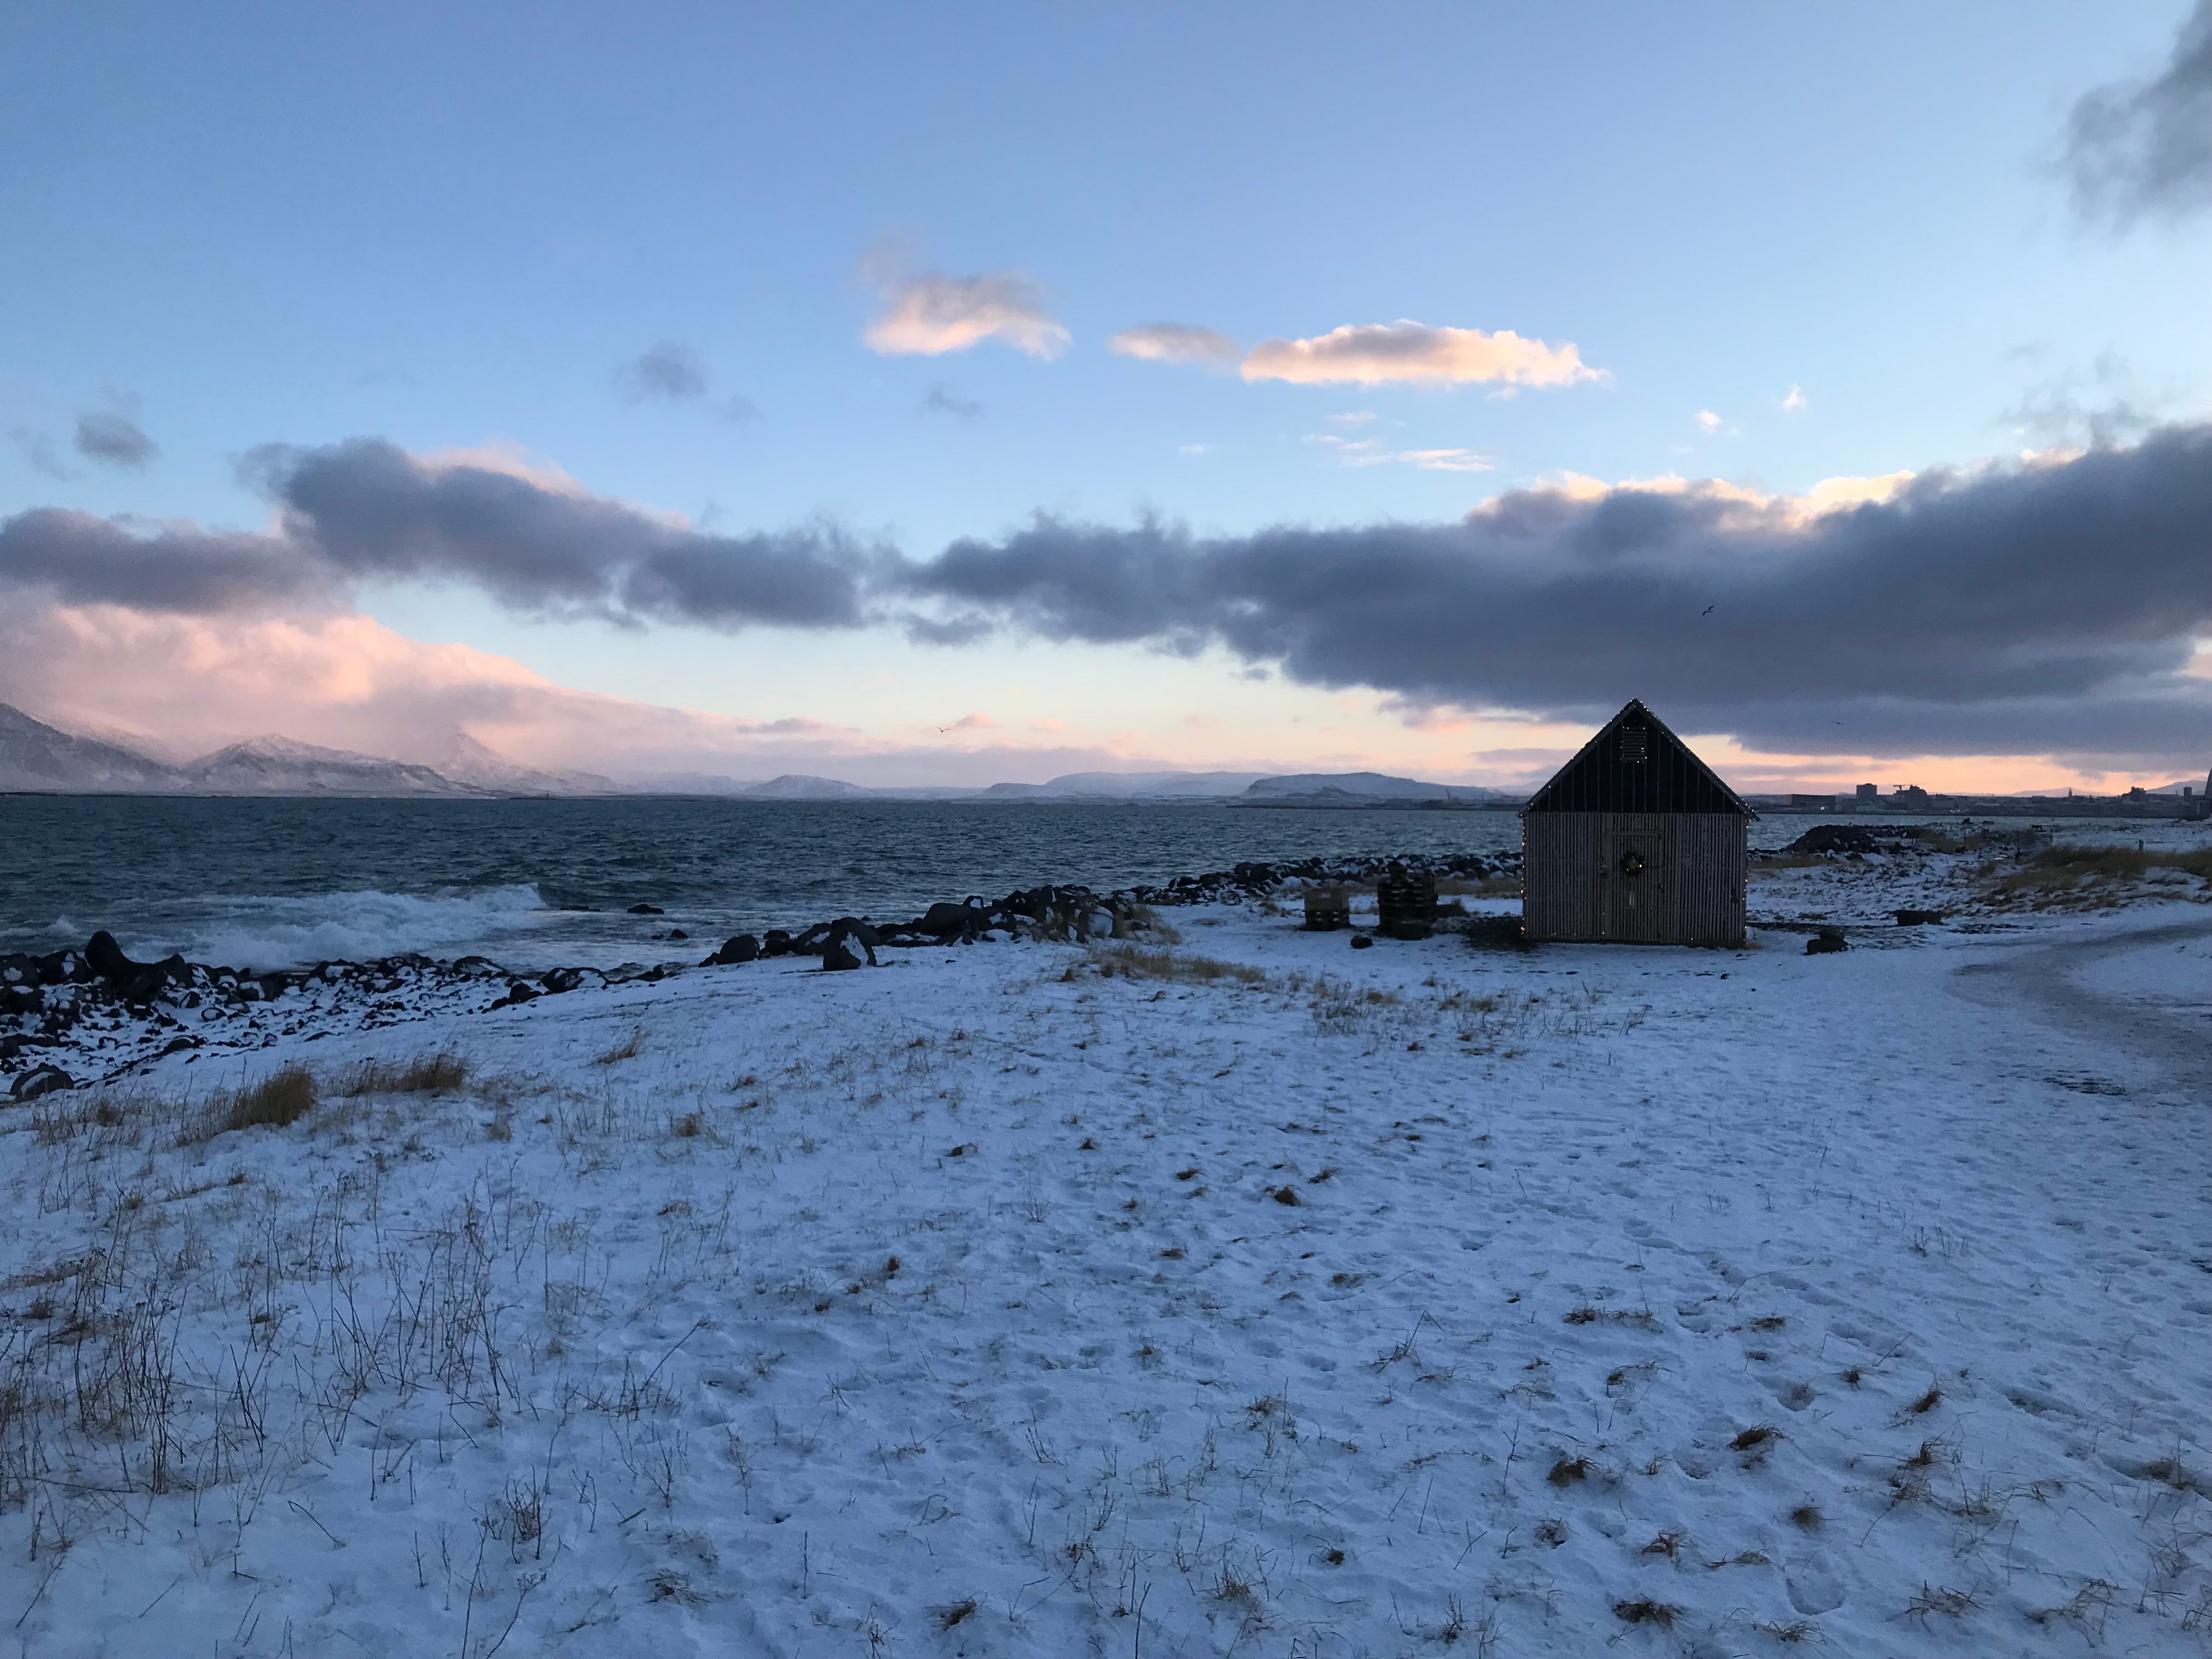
(1379, 785)
(274, 765)
(39, 757)
(36, 756)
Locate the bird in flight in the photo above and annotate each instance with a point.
(1708, 610)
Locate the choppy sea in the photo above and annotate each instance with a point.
(534, 884)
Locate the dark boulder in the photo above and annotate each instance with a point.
(1361, 942)
(1826, 942)
(946, 920)
(106, 958)
(562, 978)
(647, 910)
(1830, 838)
(738, 948)
(1919, 918)
(849, 937)
(517, 992)
(775, 943)
(39, 1081)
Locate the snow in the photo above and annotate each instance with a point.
(1604, 1262)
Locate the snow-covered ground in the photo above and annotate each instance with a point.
(1027, 1299)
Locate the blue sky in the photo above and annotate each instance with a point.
(453, 227)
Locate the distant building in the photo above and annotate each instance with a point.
(1909, 795)
(1635, 841)
(1869, 791)
(1812, 803)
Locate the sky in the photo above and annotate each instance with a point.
(982, 392)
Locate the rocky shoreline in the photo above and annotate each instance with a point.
(89, 1015)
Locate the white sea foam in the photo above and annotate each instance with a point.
(266, 932)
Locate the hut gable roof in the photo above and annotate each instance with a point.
(1635, 764)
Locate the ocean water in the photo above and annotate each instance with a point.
(534, 884)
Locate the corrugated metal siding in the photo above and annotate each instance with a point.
(1690, 890)
(1635, 764)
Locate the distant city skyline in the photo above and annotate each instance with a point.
(988, 395)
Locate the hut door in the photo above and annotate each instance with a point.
(1631, 885)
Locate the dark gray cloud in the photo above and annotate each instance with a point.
(1994, 612)
(671, 372)
(2034, 610)
(2139, 149)
(81, 559)
(366, 509)
(371, 509)
(667, 370)
(39, 450)
(941, 401)
(114, 441)
(2099, 407)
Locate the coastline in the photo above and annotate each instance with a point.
(1196, 1288)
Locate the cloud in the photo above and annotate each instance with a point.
(1794, 403)
(1707, 420)
(1375, 354)
(1175, 342)
(188, 684)
(532, 538)
(39, 450)
(1368, 452)
(928, 314)
(114, 441)
(668, 371)
(2138, 148)
(940, 401)
(81, 559)
(2097, 408)
(2022, 610)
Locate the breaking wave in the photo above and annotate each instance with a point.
(263, 932)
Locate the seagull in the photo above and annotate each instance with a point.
(1708, 610)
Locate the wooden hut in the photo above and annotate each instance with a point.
(1635, 842)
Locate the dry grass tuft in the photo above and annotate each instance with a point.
(437, 1073)
(1645, 1611)
(2059, 870)
(278, 1100)
(1131, 962)
(1570, 1470)
(1760, 1434)
(630, 1049)
(958, 1612)
(1807, 1516)
(1937, 1599)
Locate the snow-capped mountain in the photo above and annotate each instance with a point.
(274, 765)
(36, 756)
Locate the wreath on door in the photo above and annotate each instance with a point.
(1632, 863)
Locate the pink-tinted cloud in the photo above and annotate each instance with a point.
(1375, 354)
(1175, 342)
(928, 313)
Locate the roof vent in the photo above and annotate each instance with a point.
(1635, 744)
